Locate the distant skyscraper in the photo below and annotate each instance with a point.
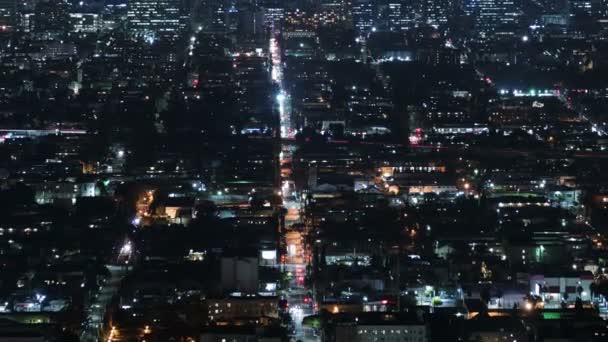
(582, 6)
(274, 13)
(339, 7)
(437, 12)
(52, 16)
(491, 14)
(363, 16)
(273, 16)
(8, 14)
(395, 15)
(399, 15)
(161, 17)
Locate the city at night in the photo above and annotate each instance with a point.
(303, 170)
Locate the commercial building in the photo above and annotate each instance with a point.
(147, 17)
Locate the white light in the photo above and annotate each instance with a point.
(280, 97)
(525, 39)
(126, 248)
(269, 255)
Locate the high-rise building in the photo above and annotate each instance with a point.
(8, 13)
(52, 16)
(363, 16)
(160, 17)
(437, 12)
(491, 14)
(554, 6)
(85, 22)
(274, 16)
(338, 7)
(274, 13)
(399, 15)
(394, 15)
(582, 7)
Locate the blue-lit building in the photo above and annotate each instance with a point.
(7, 14)
(363, 16)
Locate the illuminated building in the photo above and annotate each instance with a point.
(363, 16)
(491, 14)
(397, 16)
(436, 12)
(581, 6)
(241, 305)
(274, 13)
(52, 16)
(7, 14)
(161, 17)
(85, 22)
(273, 16)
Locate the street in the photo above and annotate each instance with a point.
(298, 296)
(97, 309)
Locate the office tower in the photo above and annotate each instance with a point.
(491, 14)
(52, 16)
(339, 7)
(85, 22)
(582, 7)
(274, 13)
(160, 17)
(399, 15)
(363, 16)
(437, 12)
(273, 16)
(395, 15)
(8, 12)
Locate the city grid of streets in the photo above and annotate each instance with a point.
(342, 171)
